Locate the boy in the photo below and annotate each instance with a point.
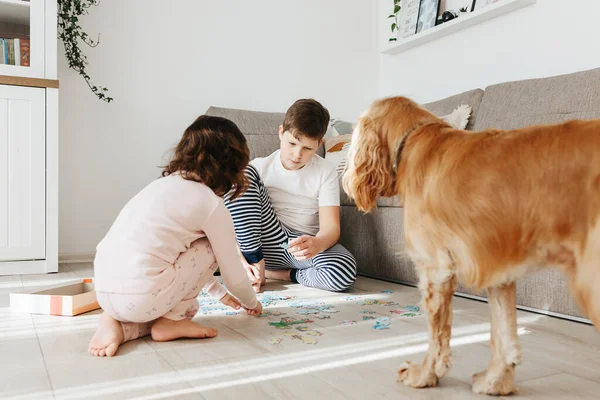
(288, 221)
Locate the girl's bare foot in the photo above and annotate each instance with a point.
(165, 329)
(108, 337)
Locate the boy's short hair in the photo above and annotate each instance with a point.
(306, 117)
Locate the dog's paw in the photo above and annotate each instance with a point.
(416, 376)
(495, 384)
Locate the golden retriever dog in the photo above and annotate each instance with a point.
(485, 209)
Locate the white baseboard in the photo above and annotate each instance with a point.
(72, 258)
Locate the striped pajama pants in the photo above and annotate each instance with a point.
(260, 235)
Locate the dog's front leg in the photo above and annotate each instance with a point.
(437, 287)
(499, 378)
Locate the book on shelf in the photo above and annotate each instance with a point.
(15, 51)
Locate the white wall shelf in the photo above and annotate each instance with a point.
(457, 24)
(14, 12)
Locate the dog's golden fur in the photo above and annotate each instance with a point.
(485, 208)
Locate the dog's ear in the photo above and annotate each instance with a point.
(370, 173)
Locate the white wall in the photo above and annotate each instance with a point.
(165, 63)
(548, 38)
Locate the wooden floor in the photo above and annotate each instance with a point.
(340, 357)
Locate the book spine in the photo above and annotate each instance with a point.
(25, 56)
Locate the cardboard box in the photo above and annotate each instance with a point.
(69, 299)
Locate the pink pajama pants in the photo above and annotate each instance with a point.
(176, 301)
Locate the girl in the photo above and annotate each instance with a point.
(169, 239)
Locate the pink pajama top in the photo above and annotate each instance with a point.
(138, 253)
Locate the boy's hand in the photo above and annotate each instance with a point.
(304, 247)
(256, 311)
(231, 301)
(257, 279)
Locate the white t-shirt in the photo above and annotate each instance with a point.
(297, 195)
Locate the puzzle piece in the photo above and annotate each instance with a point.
(305, 304)
(275, 340)
(348, 322)
(286, 323)
(375, 302)
(382, 323)
(313, 333)
(304, 339)
(212, 310)
(367, 317)
(412, 308)
(368, 302)
(410, 314)
(271, 314)
(386, 291)
(367, 312)
(308, 340)
(388, 303)
(321, 316)
(303, 328)
(350, 298)
(268, 299)
(306, 312)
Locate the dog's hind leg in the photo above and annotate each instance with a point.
(584, 274)
(499, 378)
(437, 288)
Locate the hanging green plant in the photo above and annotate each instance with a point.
(71, 33)
(395, 26)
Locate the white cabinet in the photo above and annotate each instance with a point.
(28, 138)
(22, 173)
(24, 21)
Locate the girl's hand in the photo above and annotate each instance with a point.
(231, 301)
(304, 247)
(256, 311)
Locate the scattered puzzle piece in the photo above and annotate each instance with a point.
(367, 312)
(386, 291)
(367, 317)
(268, 299)
(308, 340)
(375, 302)
(407, 311)
(412, 308)
(348, 322)
(306, 312)
(303, 328)
(275, 340)
(271, 314)
(382, 323)
(213, 310)
(410, 314)
(320, 316)
(313, 333)
(350, 298)
(286, 323)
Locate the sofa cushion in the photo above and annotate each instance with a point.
(550, 100)
(260, 128)
(445, 106)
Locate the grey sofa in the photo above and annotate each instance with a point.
(376, 238)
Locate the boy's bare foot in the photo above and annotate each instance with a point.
(108, 337)
(165, 329)
(279, 274)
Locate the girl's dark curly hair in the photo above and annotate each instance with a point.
(212, 151)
